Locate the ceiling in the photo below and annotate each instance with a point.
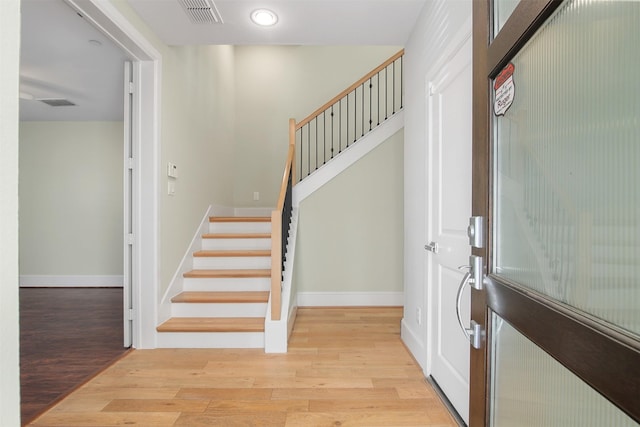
(63, 56)
(57, 60)
(300, 22)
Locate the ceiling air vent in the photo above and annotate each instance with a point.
(57, 102)
(201, 11)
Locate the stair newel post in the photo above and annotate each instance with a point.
(292, 144)
(276, 264)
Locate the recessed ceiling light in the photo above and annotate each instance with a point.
(264, 17)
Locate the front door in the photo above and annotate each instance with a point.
(449, 207)
(556, 155)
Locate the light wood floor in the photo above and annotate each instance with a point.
(345, 367)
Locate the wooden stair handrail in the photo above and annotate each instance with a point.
(276, 226)
(348, 90)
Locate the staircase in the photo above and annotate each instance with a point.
(224, 299)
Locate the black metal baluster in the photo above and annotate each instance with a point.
(309, 151)
(386, 92)
(362, 109)
(378, 106)
(394, 89)
(324, 137)
(355, 113)
(340, 126)
(370, 101)
(332, 131)
(347, 120)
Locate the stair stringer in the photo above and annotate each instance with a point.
(347, 157)
(176, 285)
(276, 332)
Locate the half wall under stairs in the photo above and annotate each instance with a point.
(223, 302)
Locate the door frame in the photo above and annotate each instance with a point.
(147, 62)
(450, 51)
(606, 359)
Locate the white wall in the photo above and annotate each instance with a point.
(71, 198)
(350, 233)
(9, 332)
(196, 134)
(439, 21)
(276, 83)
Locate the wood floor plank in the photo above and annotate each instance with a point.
(262, 419)
(231, 253)
(239, 219)
(358, 374)
(236, 236)
(361, 418)
(105, 419)
(222, 297)
(156, 405)
(241, 274)
(212, 324)
(253, 406)
(334, 393)
(370, 405)
(224, 393)
(67, 335)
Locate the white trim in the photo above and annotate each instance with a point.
(146, 115)
(78, 281)
(413, 343)
(176, 285)
(350, 299)
(276, 332)
(352, 154)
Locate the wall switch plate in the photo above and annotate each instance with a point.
(172, 170)
(256, 195)
(171, 188)
(419, 316)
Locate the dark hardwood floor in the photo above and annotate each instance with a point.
(67, 335)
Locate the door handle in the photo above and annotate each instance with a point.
(474, 332)
(432, 247)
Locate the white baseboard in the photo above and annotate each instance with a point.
(350, 299)
(413, 344)
(44, 281)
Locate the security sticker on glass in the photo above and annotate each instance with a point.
(504, 90)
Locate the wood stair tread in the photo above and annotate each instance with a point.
(236, 236)
(212, 324)
(239, 219)
(232, 253)
(242, 274)
(222, 297)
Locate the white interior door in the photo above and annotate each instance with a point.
(449, 208)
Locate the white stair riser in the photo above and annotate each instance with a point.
(210, 340)
(227, 284)
(179, 309)
(233, 263)
(239, 227)
(236, 244)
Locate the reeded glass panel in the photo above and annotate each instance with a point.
(568, 153)
(530, 388)
(502, 10)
